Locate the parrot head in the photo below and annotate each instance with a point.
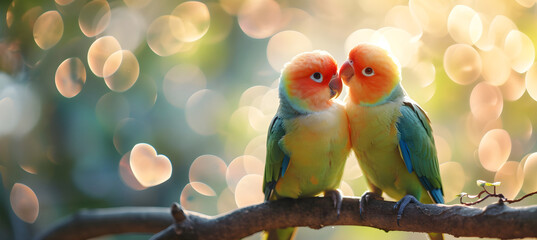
(370, 73)
(310, 81)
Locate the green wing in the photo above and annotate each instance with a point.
(418, 150)
(277, 161)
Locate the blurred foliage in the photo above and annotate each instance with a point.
(83, 82)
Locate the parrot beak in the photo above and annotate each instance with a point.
(346, 71)
(335, 86)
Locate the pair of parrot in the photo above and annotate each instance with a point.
(311, 135)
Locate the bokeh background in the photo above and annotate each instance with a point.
(144, 103)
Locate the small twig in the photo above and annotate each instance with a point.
(501, 197)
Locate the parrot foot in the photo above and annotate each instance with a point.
(401, 205)
(365, 198)
(337, 198)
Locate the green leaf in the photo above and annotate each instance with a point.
(481, 183)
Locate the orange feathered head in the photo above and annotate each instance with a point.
(371, 74)
(310, 80)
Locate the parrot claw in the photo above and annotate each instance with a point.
(337, 198)
(364, 199)
(401, 204)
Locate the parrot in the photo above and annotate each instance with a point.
(391, 134)
(308, 139)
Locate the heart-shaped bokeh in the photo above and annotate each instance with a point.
(149, 168)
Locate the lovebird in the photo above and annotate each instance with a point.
(308, 140)
(391, 135)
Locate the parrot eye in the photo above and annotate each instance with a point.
(317, 77)
(368, 72)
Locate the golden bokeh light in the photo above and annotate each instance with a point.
(346, 189)
(121, 70)
(462, 63)
(196, 20)
(401, 17)
(499, 28)
(260, 18)
(401, 44)
(258, 121)
(149, 168)
(359, 36)
(249, 190)
(232, 6)
(209, 170)
(226, 201)
(519, 48)
(99, 51)
(130, 38)
(464, 24)
(180, 82)
(531, 81)
(526, 3)
(476, 129)
(496, 66)
(160, 36)
(453, 179)
(221, 26)
(270, 103)
(192, 200)
(48, 29)
(136, 3)
(24, 202)
(351, 170)
(283, 46)
(511, 180)
(94, 17)
(486, 102)
(63, 2)
(418, 81)
(70, 77)
(530, 178)
(432, 15)
(203, 111)
(257, 147)
(203, 189)
(240, 167)
(443, 149)
(494, 149)
(126, 174)
(253, 96)
(514, 87)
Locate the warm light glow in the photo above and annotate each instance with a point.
(70, 77)
(48, 29)
(149, 168)
(94, 17)
(260, 18)
(24, 202)
(494, 149)
(462, 63)
(240, 167)
(99, 51)
(486, 102)
(249, 190)
(283, 46)
(530, 178)
(126, 174)
(496, 66)
(196, 19)
(453, 179)
(160, 37)
(519, 48)
(209, 170)
(510, 179)
(352, 169)
(464, 25)
(121, 70)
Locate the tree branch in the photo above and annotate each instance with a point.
(496, 220)
(98, 222)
